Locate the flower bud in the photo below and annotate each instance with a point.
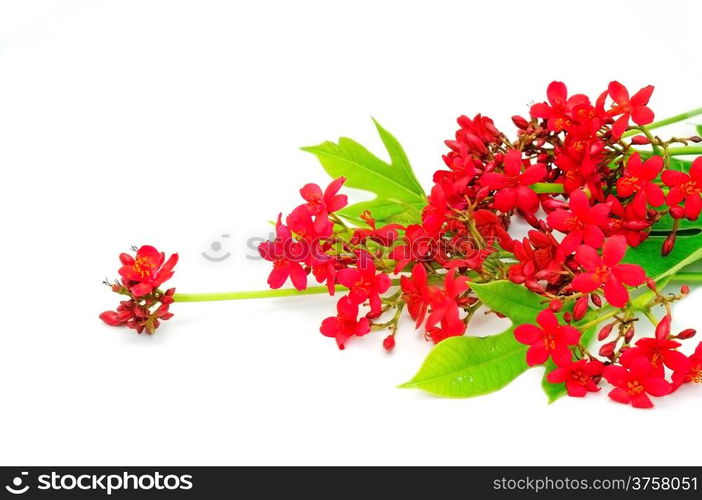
(605, 332)
(668, 245)
(567, 317)
(636, 225)
(696, 139)
(551, 204)
(677, 212)
(651, 284)
(686, 334)
(556, 305)
(640, 140)
(596, 299)
(663, 328)
(608, 349)
(629, 332)
(520, 122)
(110, 317)
(389, 342)
(580, 308)
(684, 290)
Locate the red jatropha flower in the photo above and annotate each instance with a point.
(540, 258)
(686, 187)
(301, 222)
(693, 372)
(147, 271)
(447, 329)
(580, 377)
(582, 223)
(638, 178)
(321, 204)
(445, 303)
(492, 229)
(511, 186)
(552, 339)
(287, 254)
(634, 381)
(346, 324)
(634, 107)
(607, 271)
(658, 352)
(364, 284)
(627, 222)
(416, 293)
(558, 111)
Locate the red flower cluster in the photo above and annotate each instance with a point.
(146, 306)
(587, 192)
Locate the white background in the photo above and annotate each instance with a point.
(174, 122)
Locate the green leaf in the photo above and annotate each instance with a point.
(363, 170)
(688, 249)
(462, 367)
(398, 157)
(512, 300)
(699, 130)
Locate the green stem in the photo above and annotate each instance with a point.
(688, 277)
(689, 150)
(668, 121)
(599, 319)
(547, 187)
(257, 294)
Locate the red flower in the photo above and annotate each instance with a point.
(606, 271)
(416, 293)
(286, 253)
(634, 381)
(301, 222)
(658, 353)
(580, 377)
(686, 187)
(558, 111)
(627, 222)
(511, 186)
(147, 271)
(581, 224)
(638, 178)
(346, 324)
(634, 107)
(540, 258)
(552, 339)
(579, 160)
(321, 204)
(445, 303)
(447, 329)
(364, 284)
(492, 229)
(693, 371)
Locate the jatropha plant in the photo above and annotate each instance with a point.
(613, 211)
